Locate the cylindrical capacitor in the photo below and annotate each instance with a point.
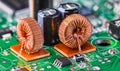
(49, 20)
(36, 5)
(68, 8)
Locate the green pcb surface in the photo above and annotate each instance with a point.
(101, 57)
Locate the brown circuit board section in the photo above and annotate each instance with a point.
(29, 57)
(69, 52)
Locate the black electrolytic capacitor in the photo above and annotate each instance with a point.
(68, 8)
(49, 20)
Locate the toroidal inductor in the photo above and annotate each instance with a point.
(30, 35)
(75, 30)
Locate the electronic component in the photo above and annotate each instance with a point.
(95, 68)
(114, 30)
(62, 62)
(14, 7)
(26, 31)
(36, 5)
(105, 60)
(49, 67)
(112, 51)
(79, 58)
(49, 20)
(68, 8)
(6, 34)
(31, 40)
(74, 36)
(85, 11)
(5, 31)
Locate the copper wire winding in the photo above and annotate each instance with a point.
(75, 30)
(30, 35)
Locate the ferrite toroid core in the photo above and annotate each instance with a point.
(30, 35)
(75, 30)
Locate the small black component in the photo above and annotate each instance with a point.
(68, 8)
(49, 20)
(79, 58)
(5, 31)
(86, 12)
(62, 62)
(114, 29)
(13, 7)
